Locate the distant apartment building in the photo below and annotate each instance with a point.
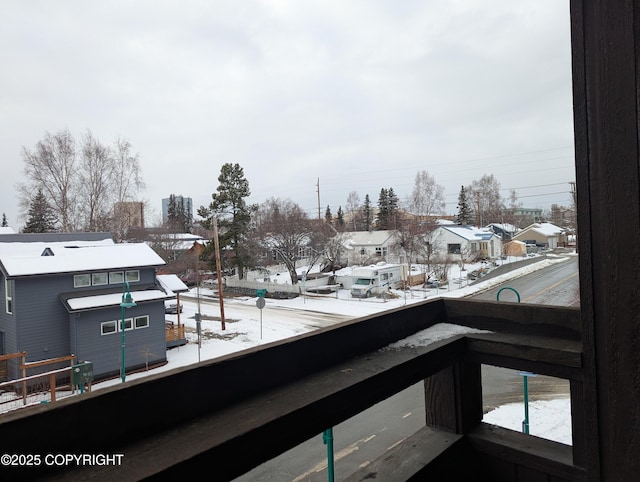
(563, 215)
(522, 217)
(130, 213)
(188, 206)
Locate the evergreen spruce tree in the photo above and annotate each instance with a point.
(465, 214)
(230, 208)
(178, 218)
(5, 223)
(340, 218)
(41, 218)
(328, 217)
(172, 213)
(392, 209)
(382, 218)
(366, 214)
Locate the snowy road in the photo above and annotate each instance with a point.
(555, 285)
(296, 318)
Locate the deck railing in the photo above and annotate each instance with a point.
(244, 403)
(173, 332)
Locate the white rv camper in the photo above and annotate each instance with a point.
(375, 279)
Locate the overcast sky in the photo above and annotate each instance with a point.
(337, 95)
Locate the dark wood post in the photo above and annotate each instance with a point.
(606, 57)
(453, 398)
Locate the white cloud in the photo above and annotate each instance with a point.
(360, 94)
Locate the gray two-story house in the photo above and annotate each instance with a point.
(60, 294)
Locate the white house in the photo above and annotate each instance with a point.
(546, 234)
(364, 246)
(468, 241)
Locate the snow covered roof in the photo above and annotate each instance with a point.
(369, 238)
(506, 227)
(25, 259)
(546, 229)
(177, 241)
(171, 283)
(113, 299)
(12, 237)
(6, 230)
(469, 233)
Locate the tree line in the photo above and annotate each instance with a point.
(72, 185)
(253, 234)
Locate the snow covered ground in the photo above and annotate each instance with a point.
(247, 326)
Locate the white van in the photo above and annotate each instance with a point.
(375, 279)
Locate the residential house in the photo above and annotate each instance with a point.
(506, 231)
(175, 245)
(365, 247)
(469, 241)
(61, 293)
(542, 234)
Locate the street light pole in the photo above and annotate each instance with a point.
(127, 302)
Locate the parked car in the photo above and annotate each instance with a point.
(432, 283)
(190, 279)
(171, 308)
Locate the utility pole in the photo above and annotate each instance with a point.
(318, 191)
(218, 271)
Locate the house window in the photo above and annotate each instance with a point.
(9, 287)
(98, 279)
(133, 276)
(141, 321)
(128, 324)
(362, 251)
(81, 280)
(116, 277)
(453, 248)
(474, 247)
(381, 251)
(108, 327)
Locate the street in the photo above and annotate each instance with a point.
(557, 285)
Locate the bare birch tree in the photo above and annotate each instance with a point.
(82, 183)
(96, 183)
(284, 228)
(51, 166)
(126, 184)
(427, 197)
(485, 195)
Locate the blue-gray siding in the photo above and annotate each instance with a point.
(41, 325)
(143, 345)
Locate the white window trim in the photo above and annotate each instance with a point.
(135, 278)
(127, 321)
(79, 276)
(114, 273)
(8, 295)
(146, 325)
(104, 324)
(93, 283)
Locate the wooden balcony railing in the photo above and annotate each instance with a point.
(247, 402)
(173, 333)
